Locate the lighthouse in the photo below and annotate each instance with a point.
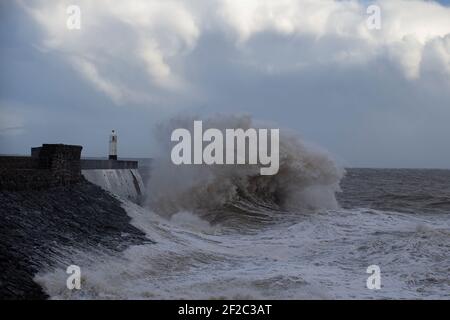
(113, 146)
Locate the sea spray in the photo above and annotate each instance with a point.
(307, 178)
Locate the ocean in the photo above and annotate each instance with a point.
(396, 219)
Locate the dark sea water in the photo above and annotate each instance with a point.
(417, 191)
(395, 219)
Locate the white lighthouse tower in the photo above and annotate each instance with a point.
(113, 146)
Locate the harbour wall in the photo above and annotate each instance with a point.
(49, 166)
(126, 183)
(53, 165)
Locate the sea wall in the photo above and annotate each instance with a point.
(126, 183)
(48, 211)
(53, 165)
(49, 166)
(39, 229)
(88, 164)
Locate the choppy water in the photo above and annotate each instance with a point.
(397, 219)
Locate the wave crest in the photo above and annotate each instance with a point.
(307, 179)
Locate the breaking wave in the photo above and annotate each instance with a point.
(307, 179)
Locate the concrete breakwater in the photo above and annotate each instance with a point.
(40, 228)
(55, 165)
(49, 209)
(126, 183)
(49, 166)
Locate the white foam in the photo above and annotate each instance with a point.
(308, 177)
(126, 183)
(322, 256)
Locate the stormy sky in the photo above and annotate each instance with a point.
(373, 98)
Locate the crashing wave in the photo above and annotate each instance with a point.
(308, 178)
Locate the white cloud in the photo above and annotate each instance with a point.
(121, 38)
(436, 55)
(313, 17)
(117, 37)
(407, 27)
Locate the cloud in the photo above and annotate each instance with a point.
(436, 56)
(90, 72)
(153, 39)
(117, 38)
(407, 27)
(374, 97)
(11, 122)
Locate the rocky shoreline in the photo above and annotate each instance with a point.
(35, 223)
